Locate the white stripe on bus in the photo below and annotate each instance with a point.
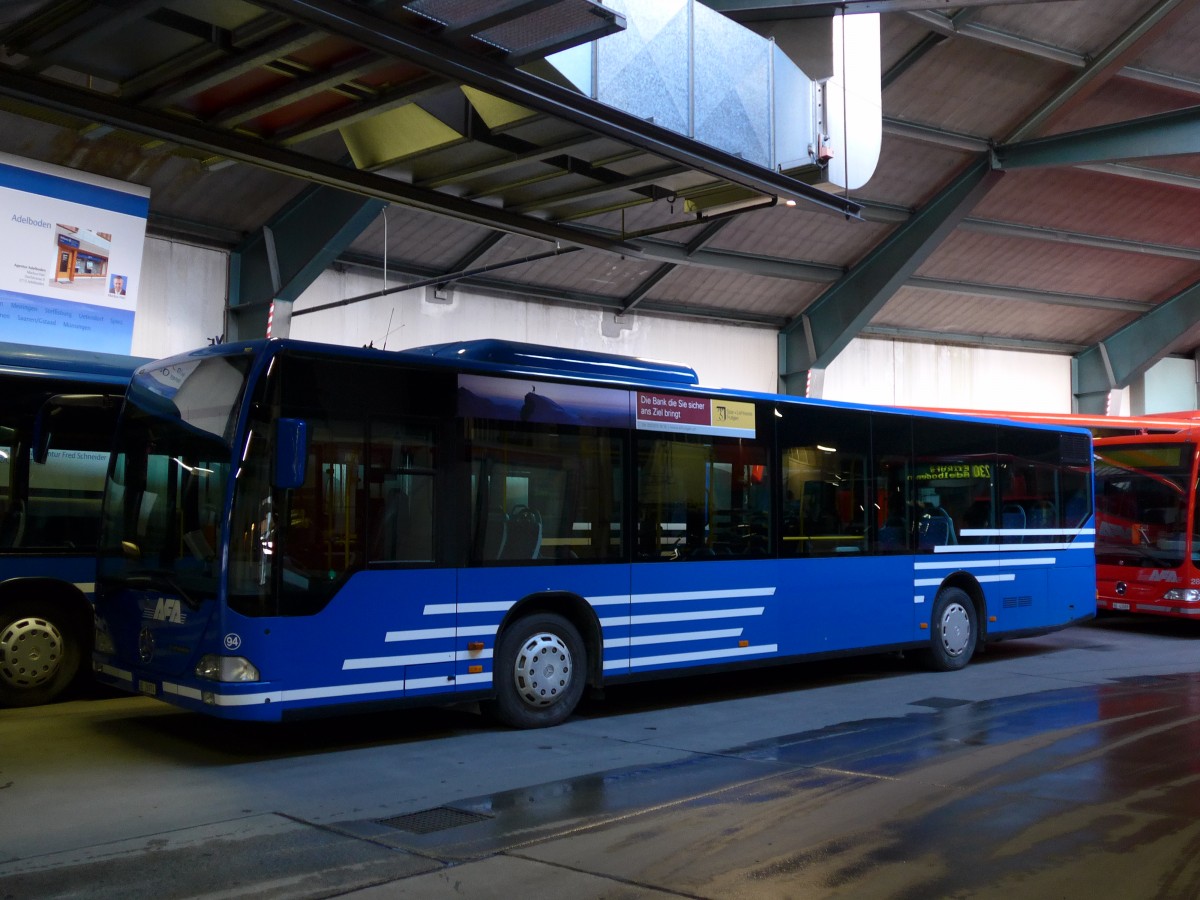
(987, 563)
(674, 638)
(983, 579)
(702, 655)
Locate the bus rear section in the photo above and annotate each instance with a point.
(292, 530)
(1146, 542)
(57, 413)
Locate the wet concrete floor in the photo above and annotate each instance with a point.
(1089, 791)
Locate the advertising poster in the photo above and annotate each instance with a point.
(70, 256)
(694, 415)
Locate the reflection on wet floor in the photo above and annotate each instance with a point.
(1081, 792)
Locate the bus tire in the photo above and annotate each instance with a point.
(540, 670)
(40, 653)
(954, 630)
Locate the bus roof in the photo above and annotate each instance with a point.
(1099, 425)
(516, 358)
(50, 362)
(562, 361)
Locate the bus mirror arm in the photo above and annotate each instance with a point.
(291, 453)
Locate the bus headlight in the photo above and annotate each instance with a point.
(1187, 595)
(226, 668)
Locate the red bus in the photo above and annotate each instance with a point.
(1147, 546)
(1147, 526)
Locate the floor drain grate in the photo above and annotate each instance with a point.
(428, 821)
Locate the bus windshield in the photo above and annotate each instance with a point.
(1142, 504)
(166, 483)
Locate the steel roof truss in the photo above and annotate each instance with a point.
(835, 317)
(1173, 133)
(1127, 353)
(534, 93)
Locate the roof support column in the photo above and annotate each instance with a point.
(279, 262)
(814, 339)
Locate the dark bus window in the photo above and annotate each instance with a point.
(400, 486)
(702, 497)
(544, 493)
(892, 491)
(1041, 489)
(954, 470)
(825, 497)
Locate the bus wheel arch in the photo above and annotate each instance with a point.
(956, 623)
(546, 652)
(45, 639)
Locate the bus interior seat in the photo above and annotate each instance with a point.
(936, 529)
(891, 535)
(1012, 517)
(395, 514)
(524, 539)
(495, 534)
(12, 526)
(1075, 511)
(1043, 515)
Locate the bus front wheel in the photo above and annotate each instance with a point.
(39, 654)
(954, 631)
(540, 669)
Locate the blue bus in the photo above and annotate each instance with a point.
(291, 529)
(57, 412)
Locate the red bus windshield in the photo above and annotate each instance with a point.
(1142, 497)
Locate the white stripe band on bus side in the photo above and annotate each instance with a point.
(416, 659)
(986, 563)
(982, 579)
(675, 638)
(682, 617)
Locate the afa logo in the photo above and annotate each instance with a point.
(168, 609)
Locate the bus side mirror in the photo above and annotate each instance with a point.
(291, 453)
(61, 405)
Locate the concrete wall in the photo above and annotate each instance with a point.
(181, 307)
(907, 374)
(181, 303)
(722, 355)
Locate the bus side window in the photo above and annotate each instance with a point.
(826, 512)
(546, 494)
(702, 498)
(401, 492)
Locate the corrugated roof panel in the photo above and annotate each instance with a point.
(974, 88)
(1093, 203)
(935, 311)
(1121, 100)
(792, 234)
(1059, 268)
(583, 271)
(413, 236)
(911, 172)
(1174, 52)
(1084, 28)
(752, 296)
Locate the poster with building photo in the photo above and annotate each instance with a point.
(70, 256)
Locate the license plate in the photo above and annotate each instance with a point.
(1124, 606)
(149, 688)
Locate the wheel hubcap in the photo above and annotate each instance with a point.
(543, 669)
(30, 652)
(956, 629)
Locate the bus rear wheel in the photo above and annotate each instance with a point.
(954, 631)
(540, 669)
(39, 654)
